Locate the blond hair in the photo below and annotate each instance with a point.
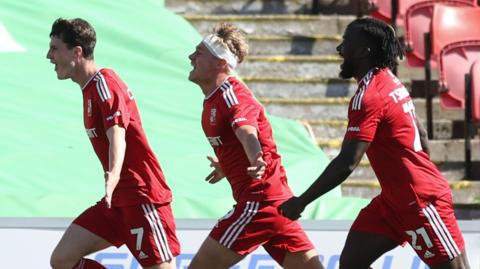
(233, 38)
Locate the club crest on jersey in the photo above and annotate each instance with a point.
(213, 116)
(89, 107)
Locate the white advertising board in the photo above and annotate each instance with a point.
(30, 247)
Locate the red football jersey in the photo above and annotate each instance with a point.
(382, 113)
(108, 101)
(228, 107)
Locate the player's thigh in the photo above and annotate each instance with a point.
(362, 249)
(303, 259)
(213, 255)
(91, 231)
(290, 245)
(150, 234)
(434, 234)
(76, 243)
(369, 238)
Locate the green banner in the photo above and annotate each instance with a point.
(47, 165)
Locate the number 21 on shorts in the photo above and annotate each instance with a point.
(414, 237)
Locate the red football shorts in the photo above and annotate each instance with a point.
(252, 224)
(432, 231)
(148, 230)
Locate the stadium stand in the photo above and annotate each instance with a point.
(475, 90)
(455, 38)
(417, 23)
(293, 70)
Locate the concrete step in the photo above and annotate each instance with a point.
(308, 67)
(293, 45)
(238, 7)
(464, 192)
(334, 129)
(272, 87)
(291, 67)
(286, 25)
(336, 108)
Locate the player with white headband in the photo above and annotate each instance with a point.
(216, 47)
(246, 155)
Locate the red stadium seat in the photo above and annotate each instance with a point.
(455, 61)
(417, 22)
(382, 10)
(475, 76)
(455, 35)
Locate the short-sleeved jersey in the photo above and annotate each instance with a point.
(382, 113)
(228, 107)
(107, 101)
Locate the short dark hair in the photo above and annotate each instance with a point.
(387, 48)
(75, 32)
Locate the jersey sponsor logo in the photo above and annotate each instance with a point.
(116, 114)
(215, 141)
(213, 116)
(238, 120)
(92, 133)
(353, 129)
(89, 107)
(399, 94)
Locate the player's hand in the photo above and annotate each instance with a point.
(217, 174)
(109, 178)
(257, 168)
(292, 208)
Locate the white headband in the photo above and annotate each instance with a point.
(215, 46)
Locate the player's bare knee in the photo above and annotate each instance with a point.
(304, 259)
(58, 261)
(201, 262)
(165, 265)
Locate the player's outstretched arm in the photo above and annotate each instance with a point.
(247, 135)
(116, 155)
(336, 172)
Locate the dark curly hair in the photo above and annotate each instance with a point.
(387, 49)
(75, 32)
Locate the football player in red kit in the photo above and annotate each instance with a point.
(415, 204)
(246, 154)
(136, 207)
